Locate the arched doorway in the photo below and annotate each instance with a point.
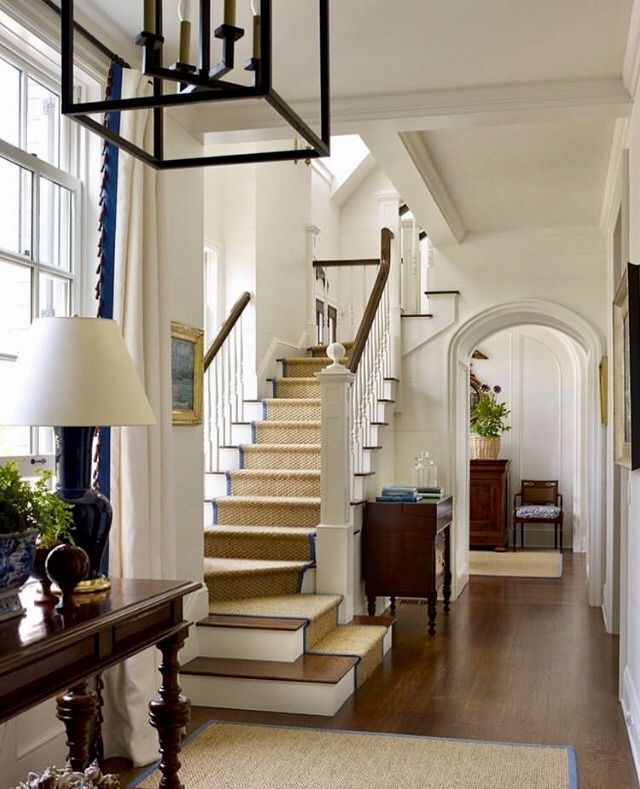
(591, 495)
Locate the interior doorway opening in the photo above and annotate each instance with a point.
(589, 496)
(537, 371)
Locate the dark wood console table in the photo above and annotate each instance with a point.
(407, 552)
(45, 653)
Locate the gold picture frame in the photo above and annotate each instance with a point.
(603, 371)
(187, 371)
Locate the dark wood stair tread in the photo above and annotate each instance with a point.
(384, 620)
(320, 669)
(252, 622)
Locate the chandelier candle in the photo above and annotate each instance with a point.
(184, 14)
(149, 15)
(229, 12)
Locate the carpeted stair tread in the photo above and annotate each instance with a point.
(288, 543)
(302, 511)
(286, 432)
(327, 669)
(283, 456)
(297, 606)
(296, 387)
(321, 350)
(301, 366)
(228, 579)
(292, 408)
(273, 482)
(363, 641)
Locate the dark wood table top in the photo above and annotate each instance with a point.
(43, 651)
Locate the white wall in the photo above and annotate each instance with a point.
(536, 368)
(630, 520)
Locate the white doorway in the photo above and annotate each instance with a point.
(583, 342)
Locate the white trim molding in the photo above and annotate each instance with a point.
(631, 711)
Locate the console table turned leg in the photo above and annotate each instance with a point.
(169, 712)
(446, 586)
(371, 606)
(76, 709)
(432, 599)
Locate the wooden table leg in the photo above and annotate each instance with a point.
(169, 712)
(371, 606)
(446, 587)
(392, 604)
(432, 600)
(76, 709)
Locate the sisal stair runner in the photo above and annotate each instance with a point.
(262, 542)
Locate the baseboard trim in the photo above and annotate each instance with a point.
(631, 711)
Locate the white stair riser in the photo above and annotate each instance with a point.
(241, 434)
(387, 641)
(208, 515)
(358, 488)
(305, 698)
(252, 412)
(229, 458)
(215, 485)
(390, 389)
(251, 644)
(309, 581)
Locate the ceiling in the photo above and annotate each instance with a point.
(487, 116)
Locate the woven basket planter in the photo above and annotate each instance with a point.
(484, 448)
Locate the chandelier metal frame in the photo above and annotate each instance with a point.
(200, 84)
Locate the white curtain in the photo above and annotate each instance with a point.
(142, 539)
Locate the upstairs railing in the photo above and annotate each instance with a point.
(224, 384)
(370, 356)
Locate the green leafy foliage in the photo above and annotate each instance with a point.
(488, 415)
(26, 506)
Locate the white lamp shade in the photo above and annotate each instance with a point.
(75, 372)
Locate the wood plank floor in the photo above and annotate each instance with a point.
(521, 660)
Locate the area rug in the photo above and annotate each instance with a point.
(521, 564)
(253, 756)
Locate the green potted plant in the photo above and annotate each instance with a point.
(488, 424)
(26, 511)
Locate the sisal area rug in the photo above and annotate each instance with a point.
(253, 756)
(522, 564)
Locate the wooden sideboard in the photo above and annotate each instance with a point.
(46, 653)
(407, 552)
(489, 503)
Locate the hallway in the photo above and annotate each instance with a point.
(517, 660)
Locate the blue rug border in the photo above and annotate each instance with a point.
(572, 762)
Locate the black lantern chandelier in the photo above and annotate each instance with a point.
(202, 83)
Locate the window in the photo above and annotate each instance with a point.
(39, 229)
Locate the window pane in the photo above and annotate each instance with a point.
(54, 297)
(43, 122)
(15, 208)
(15, 306)
(10, 100)
(55, 225)
(13, 440)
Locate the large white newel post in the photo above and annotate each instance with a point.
(334, 540)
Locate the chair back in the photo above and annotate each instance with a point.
(539, 491)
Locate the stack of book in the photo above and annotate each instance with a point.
(430, 493)
(407, 493)
(398, 493)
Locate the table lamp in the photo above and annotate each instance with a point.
(75, 375)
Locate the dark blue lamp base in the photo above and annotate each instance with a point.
(92, 511)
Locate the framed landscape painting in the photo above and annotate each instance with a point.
(186, 374)
(626, 380)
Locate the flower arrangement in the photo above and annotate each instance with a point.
(488, 415)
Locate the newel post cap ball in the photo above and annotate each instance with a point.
(335, 352)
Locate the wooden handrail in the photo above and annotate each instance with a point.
(225, 329)
(335, 263)
(374, 300)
